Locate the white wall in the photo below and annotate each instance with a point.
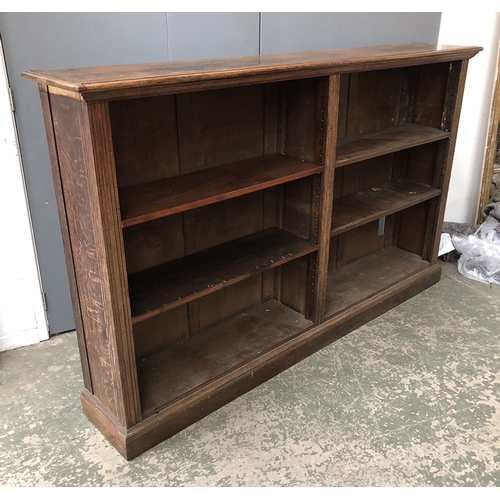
(22, 316)
(482, 29)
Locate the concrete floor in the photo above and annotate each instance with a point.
(410, 399)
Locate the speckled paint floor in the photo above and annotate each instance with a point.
(410, 399)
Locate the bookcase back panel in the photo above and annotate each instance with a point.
(153, 243)
(343, 104)
(363, 175)
(425, 163)
(413, 228)
(294, 280)
(288, 286)
(359, 242)
(302, 121)
(169, 238)
(222, 222)
(297, 210)
(374, 99)
(158, 332)
(218, 306)
(220, 126)
(430, 96)
(144, 139)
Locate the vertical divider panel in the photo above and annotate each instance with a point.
(328, 130)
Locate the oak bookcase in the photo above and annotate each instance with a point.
(223, 219)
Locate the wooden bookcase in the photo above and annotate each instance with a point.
(224, 219)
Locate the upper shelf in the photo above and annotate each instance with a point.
(157, 199)
(363, 147)
(366, 206)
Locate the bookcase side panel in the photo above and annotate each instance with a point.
(89, 186)
(450, 119)
(64, 224)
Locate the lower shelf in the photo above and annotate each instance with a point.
(368, 276)
(187, 364)
(184, 411)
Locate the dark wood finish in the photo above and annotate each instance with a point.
(211, 396)
(63, 222)
(188, 364)
(220, 127)
(169, 285)
(170, 196)
(144, 139)
(453, 105)
(126, 81)
(370, 275)
(88, 179)
(358, 148)
(359, 208)
(224, 219)
(328, 133)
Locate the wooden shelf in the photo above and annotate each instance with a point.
(360, 208)
(164, 287)
(368, 276)
(157, 199)
(363, 147)
(189, 363)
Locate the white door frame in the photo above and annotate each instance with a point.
(23, 319)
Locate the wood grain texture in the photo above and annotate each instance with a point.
(188, 364)
(89, 185)
(220, 126)
(214, 394)
(374, 101)
(223, 220)
(63, 222)
(175, 283)
(369, 276)
(328, 132)
(354, 149)
(430, 95)
(113, 82)
(166, 197)
(145, 139)
(453, 105)
(366, 206)
(109, 238)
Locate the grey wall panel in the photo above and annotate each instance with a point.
(359, 29)
(195, 35)
(57, 40)
(297, 31)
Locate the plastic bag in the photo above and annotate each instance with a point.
(480, 252)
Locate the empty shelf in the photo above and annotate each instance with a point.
(191, 362)
(370, 275)
(156, 199)
(365, 206)
(363, 147)
(166, 286)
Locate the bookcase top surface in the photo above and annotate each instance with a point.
(251, 69)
